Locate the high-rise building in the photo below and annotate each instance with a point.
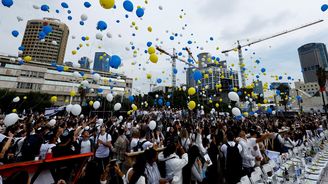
(101, 62)
(84, 63)
(52, 47)
(312, 56)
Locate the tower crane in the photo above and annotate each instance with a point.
(239, 47)
(174, 57)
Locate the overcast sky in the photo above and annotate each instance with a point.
(224, 20)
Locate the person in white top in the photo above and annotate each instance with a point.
(136, 174)
(103, 145)
(86, 144)
(246, 154)
(135, 138)
(174, 164)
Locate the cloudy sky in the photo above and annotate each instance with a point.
(193, 20)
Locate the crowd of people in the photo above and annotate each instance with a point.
(182, 149)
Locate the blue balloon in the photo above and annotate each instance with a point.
(278, 92)
(131, 99)
(218, 59)
(15, 33)
(7, 3)
(101, 25)
(189, 42)
(140, 12)
(64, 5)
(175, 71)
(53, 64)
(159, 80)
(47, 29)
(115, 61)
(57, 11)
(269, 110)
(60, 68)
(168, 104)
(42, 35)
(171, 37)
(81, 23)
(324, 7)
(211, 38)
(69, 11)
(21, 48)
(280, 77)
(99, 90)
(198, 75)
(81, 73)
(263, 70)
(45, 8)
(21, 62)
(126, 16)
(149, 44)
(69, 17)
(87, 4)
(257, 61)
(299, 98)
(128, 5)
(239, 93)
(160, 101)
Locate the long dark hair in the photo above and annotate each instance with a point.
(170, 149)
(138, 169)
(193, 154)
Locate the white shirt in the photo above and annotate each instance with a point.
(85, 146)
(134, 143)
(174, 166)
(103, 151)
(141, 180)
(152, 173)
(246, 154)
(146, 145)
(44, 149)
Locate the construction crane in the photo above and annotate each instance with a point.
(239, 47)
(174, 58)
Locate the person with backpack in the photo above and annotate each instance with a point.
(171, 165)
(103, 140)
(120, 146)
(143, 143)
(86, 144)
(233, 160)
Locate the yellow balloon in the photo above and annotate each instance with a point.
(150, 29)
(206, 76)
(191, 91)
(217, 105)
(134, 107)
(151, 50)
(107, 4)
(191, 105)
(221, 100)
(87, 38)
(53, 99)
(91, 103)
(153, 58)
(66, 68)
(14, 110)
(25, 97)
(27, 58)
(265, 101)
(72, 93)
(149, 76)
(66, 101)
(74, 52)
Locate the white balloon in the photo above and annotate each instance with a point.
(76, 65)
(84, 17)
(36, 7)
(109, 35)
(52, 122)
(16, 99)
(13, 59)
(85, 83)
(10, 119)
(233, 96)
(76, 110)
(152, 125)
(236, 111)
(69, 108)
(117, 107)
(92, 90)
(274, 112)
(109, 97)
(54, 42)
(96, 105)
(99, 36)
(156, 96)
(120, 118)
(77, 74)
(184, 88)
(96, 77)
(255, 114)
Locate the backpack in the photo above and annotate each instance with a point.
(277, 146)
(139, 146)
(162, 167)
(233, 160)
(31, 147)
(91, 144)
